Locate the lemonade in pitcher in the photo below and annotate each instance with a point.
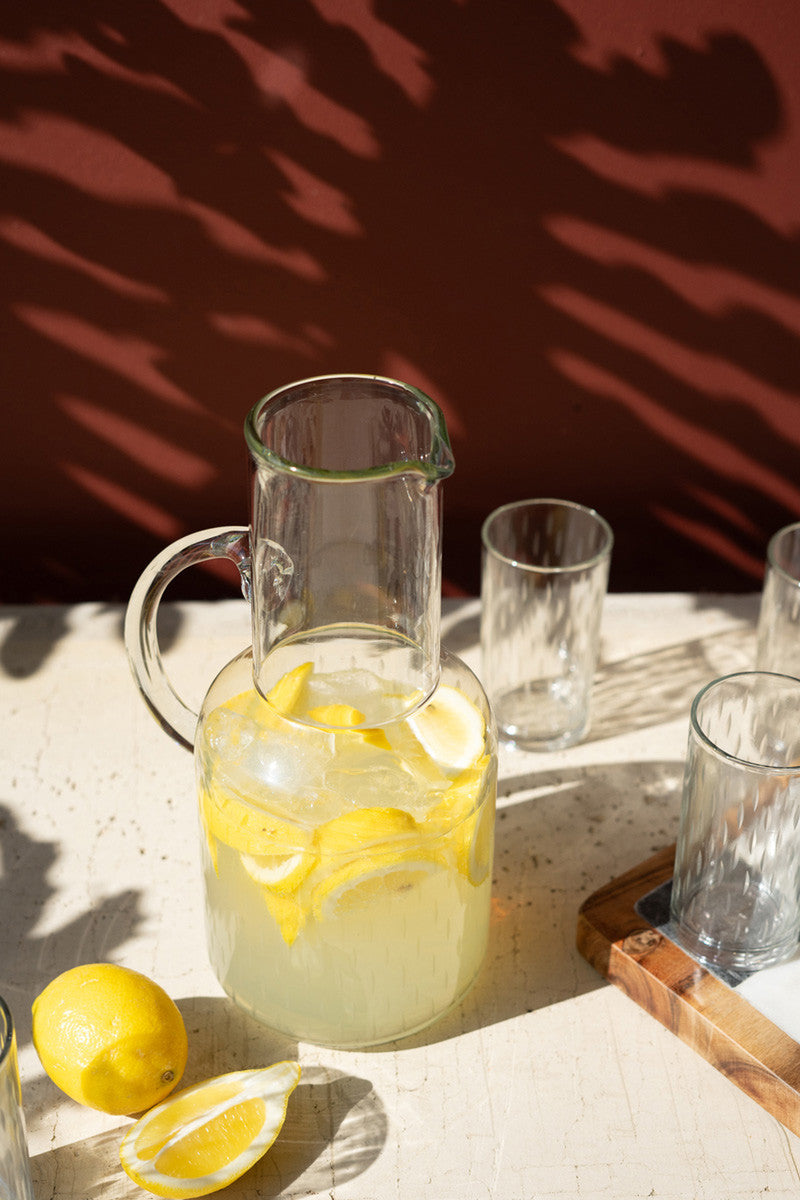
(346, 764)
(347, 895)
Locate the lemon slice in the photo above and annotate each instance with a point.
(288, 914)
(249, 829)
(288, 696)
(280, 872)
(367, 882)
(450, 729)
(459, 801)
(206, 1136)
(362, 827)
(480, 850)
(461, 827)
(342, 717)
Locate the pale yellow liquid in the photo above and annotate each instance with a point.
(369, 942)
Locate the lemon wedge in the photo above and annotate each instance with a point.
(362, 827)
(450, 730)
(461, 825)
(249, 829)
(342, 718)
(288, 914)
(480, 844)
(369, 881)
(281, 872)
(289, 694)
(341, 715)
(206, 1136)
(460, 800)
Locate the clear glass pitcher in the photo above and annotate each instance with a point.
(346, 765)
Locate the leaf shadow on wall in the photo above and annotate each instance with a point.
(196, 214)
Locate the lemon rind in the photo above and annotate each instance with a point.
(284, 1076)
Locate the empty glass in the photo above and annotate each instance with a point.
(736, 886)
(544, 579)
(778, 646)
(15, 1180)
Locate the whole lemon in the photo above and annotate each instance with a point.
(110, 1038)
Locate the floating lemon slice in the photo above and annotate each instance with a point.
(206, 1136)
(281, 872)
(460, 799)
(403, 742)
(366, 882)
(342, 718)
(249, 829)
(480, 849)
(287, 912)
(363, 827)
(463, 822)
(450, 729)
(290, 693)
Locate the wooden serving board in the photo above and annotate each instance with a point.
(700, 1008)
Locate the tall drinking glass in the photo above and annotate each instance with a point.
(544, 578)
(736, 885)
(778, 645)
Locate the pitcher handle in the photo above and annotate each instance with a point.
(141, 636)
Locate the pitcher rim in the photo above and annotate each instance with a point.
(440, 464)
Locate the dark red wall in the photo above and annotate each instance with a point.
(575, 224)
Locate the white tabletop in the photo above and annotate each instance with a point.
(546, 1082)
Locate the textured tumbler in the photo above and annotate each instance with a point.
(736, 886)
(778, 644)
(544, 578)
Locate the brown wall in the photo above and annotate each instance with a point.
(575, 224)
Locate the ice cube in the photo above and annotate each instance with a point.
(282, 765)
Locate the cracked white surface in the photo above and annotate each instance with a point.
(546, 1082)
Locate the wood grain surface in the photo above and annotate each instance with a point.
(699, 1008)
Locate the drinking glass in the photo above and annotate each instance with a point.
(778, 643)
(544, 578)
(736, 886)
(15, 1180)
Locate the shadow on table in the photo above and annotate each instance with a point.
(567, 832)
(29, 959)
(33, 633)
(335, 1128)
(336, 1125)
(657, 686)
(654, 686)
